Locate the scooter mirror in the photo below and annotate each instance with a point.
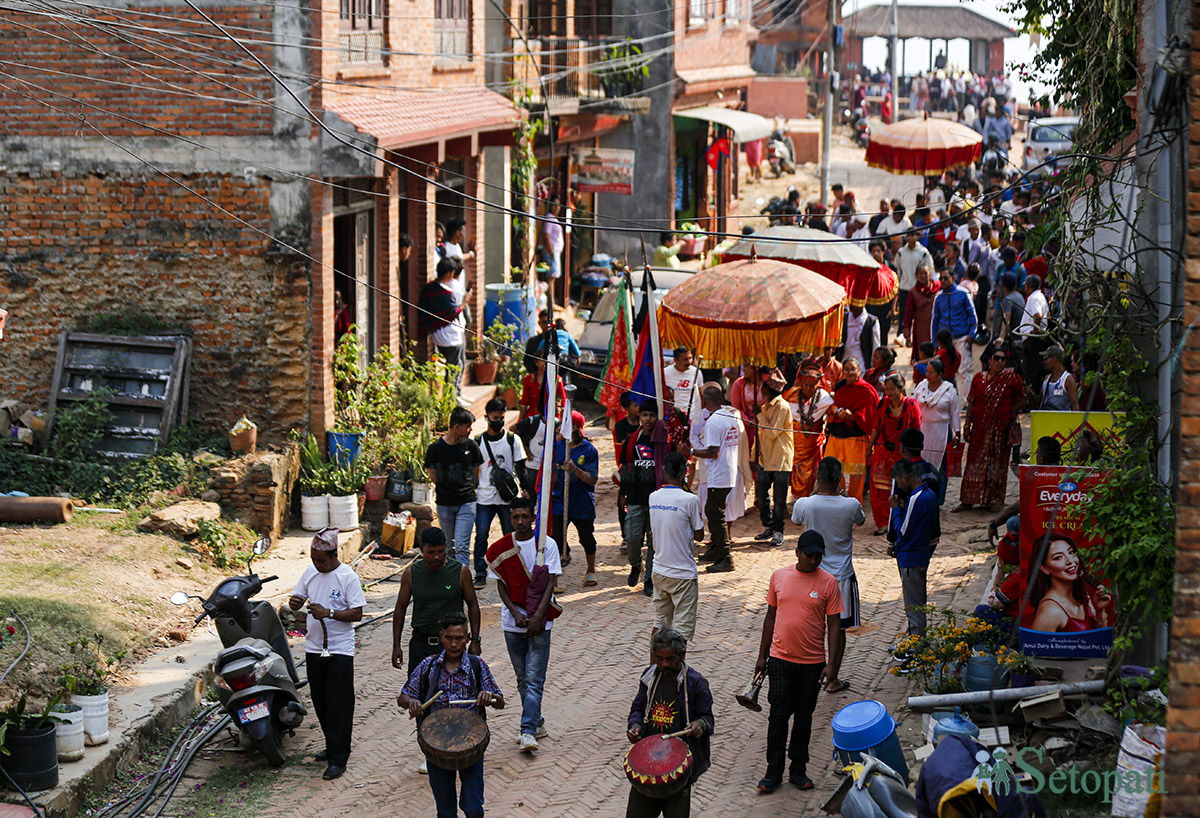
(179, 598)
(261, 545)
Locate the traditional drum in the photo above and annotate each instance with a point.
(453, 738)
(659, 766)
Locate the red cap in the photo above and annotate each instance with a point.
(578, 421)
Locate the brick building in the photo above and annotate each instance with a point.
(149, 164)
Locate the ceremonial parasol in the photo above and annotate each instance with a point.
(923, 147)
(750, 311)
(837, 259)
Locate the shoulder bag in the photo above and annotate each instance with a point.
(504, 480)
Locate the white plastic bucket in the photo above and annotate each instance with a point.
(95, 716)
(421, 493)
(343, 512)
(314, 512)
(68, 734)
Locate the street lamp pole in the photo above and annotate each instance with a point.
(830, 80)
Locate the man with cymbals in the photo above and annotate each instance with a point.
(463, 681)
(804, 609)
(672, 698)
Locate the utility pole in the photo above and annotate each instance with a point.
(895, 68)
(830, 82)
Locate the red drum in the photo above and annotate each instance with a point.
(659, 767)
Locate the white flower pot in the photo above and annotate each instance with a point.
(314, 512)
(69, 732)
(422, 493)
(343, 512)
(95, 716)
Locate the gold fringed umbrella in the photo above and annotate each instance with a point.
(747, 312)
(924, 147)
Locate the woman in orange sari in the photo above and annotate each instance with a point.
(895, 414)
(809, 403)
(849, 423)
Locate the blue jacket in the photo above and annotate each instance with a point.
(699, 704)
(954, 310)
(914, 524)
(583, 496)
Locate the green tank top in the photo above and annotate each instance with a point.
(435, 594)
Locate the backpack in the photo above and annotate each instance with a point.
(504, 481)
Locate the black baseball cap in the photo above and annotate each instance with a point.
(811, 542)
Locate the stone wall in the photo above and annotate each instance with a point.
(1183, 716)
(257, 489)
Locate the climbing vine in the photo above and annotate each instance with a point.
(524, 176)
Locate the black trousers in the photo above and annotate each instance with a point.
(678, 805)
(331, 685)
(883, 313)
(767, 483)
(792, 695)
(586, 529)
(714, 510)
(419, 649)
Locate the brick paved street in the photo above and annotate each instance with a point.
(599, 649)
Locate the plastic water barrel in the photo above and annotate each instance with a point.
(314, 512)
(513, 304)
(343, 512)
(868, 727)
(984, 673)
(343, 447)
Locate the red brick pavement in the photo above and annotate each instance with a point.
(599, 648)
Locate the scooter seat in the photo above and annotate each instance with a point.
(245, 649)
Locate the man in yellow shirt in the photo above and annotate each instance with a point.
(776, 448)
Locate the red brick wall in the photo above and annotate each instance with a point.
(783, 96)
(141, 79)
(1183, 717)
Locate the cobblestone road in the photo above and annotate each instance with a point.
(599, 648)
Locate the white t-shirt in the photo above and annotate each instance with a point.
(338, 590)
(834, 518)
(1036, 304)
(674, 520)
(506, 458)
(554, 232)
(722, 430)
(453, 334)
(528, 549)
(890, 226)
(452, 250)
(683, 384)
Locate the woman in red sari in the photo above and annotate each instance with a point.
(895, 414)
(996, 397)
(849, 423)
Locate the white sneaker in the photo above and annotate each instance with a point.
(528, 743)
(541, 732)
(424, 768)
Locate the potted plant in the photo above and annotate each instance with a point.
(509, 385)
(622, 69)
(373, 453)
(345, 482)
(314, 480)
(28, 750)
(936, 659)
(415, 465)
(85, 678)
(349, 379)
(493, 347)
(69, 733)
(1021, 670)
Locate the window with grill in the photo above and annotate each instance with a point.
(360, 33)
(733, 11)
(452, 29)
(697, 12)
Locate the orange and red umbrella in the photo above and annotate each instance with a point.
(747, 312)
(861, 276)
(923, 147)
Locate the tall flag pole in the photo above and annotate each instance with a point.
(618, 369)
(545, 479)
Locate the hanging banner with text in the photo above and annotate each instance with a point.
(604, 170)
(1070, 611)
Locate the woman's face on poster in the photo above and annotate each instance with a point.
(1062, 561)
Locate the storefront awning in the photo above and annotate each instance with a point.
(746, 126)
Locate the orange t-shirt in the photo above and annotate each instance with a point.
(802, 601)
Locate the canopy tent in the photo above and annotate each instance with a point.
(747, 312)
(745, 126)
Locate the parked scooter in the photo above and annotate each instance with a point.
(860, 128)
(256, 676)
(872, 789)
(779, 153)
(994, 160)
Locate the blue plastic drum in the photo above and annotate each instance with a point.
(513, 304)
(868, 727)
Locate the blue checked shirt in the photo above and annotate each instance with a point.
(457, 685)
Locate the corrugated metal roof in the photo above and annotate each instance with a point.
(930, 22)
(406, 120)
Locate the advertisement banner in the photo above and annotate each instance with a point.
(604, 170)
(1070, 610)
(1101, 428)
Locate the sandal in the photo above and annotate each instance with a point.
(879, 532)
(960, 508)
(589, 580)
(844, 686)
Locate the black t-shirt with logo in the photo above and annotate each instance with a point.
(640, 466)
(454, 466)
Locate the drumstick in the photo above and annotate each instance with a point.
(676, 734)
(432, 699)
(463, 701)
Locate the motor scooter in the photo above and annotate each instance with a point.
(256, 676)
(779, 154)
(861, 128)
(994, 160)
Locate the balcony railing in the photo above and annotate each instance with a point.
(572, 68)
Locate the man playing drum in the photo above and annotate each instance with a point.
(671, 698)
(463, 681)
